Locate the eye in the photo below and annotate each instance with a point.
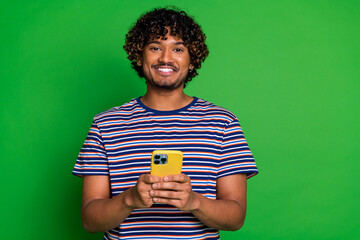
(178, 50)
(154, 48)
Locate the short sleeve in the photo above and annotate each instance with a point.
(92, 159)
(236, 156)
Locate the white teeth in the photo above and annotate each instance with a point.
(165, 69)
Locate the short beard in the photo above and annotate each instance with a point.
(172, 86)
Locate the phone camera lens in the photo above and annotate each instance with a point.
(163, 160)
(157, 156)
(156, 161)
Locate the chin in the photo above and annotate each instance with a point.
(165, 84)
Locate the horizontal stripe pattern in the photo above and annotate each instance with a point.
(120, 143)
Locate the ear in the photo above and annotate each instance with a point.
(139, 62)
(191, 67)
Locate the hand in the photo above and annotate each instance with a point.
(175, 190)
(139, 195)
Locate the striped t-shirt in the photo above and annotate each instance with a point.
(120, 143)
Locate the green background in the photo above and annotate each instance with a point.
(288, 69)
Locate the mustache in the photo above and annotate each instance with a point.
(165, 65)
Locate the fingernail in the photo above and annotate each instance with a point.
(154, 185)
(155, 199)
(152, 193)
(166, 178)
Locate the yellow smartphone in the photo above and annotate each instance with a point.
(166, 162)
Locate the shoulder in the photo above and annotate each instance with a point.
(208, 108)
(124, 111)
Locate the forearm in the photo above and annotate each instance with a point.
(219, 214)
(100, 215)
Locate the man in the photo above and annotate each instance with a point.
(120, 197)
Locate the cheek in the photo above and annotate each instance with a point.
(145, 64)
(146, 69)
(187, 62)
(184, 63)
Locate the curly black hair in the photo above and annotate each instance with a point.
(153, 25)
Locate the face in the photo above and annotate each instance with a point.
(165, 62)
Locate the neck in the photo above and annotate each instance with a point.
(164, 99)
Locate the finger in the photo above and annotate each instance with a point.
(172, 186)
(149, 179)
(181, 178)
(143, 187)
(173, 202)
(165, 194)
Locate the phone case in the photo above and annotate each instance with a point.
(166, 162)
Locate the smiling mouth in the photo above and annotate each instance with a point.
(164, 69)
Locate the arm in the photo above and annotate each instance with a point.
(227, 212)
(100, 212)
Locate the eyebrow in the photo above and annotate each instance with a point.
(158, 42)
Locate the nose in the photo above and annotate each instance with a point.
(165, 56)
